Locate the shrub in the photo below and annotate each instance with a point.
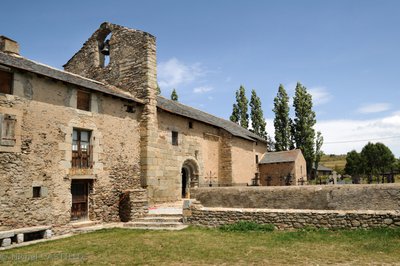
(246, 226)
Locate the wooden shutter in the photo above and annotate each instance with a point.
(6, 82)
(83, 100)
(7, 129)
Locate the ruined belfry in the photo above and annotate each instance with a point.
(95, 142)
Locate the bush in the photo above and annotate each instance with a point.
(246, 226)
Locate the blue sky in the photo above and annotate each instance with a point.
(345, 52)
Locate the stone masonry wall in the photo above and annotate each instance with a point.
(45, 124)
(331, 197)
(289, 219)
(132, 59)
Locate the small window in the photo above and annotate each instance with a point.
(256, 158)
(175, 138)
(83, 100)
(6, 79)
(36, 192)
(81, 149)
(7, 129)
(190, 124)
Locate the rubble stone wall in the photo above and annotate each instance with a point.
(327, 197)
(45, 121)
(291, 219)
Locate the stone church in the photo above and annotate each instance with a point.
(95, 142)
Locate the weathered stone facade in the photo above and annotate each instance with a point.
(96, 136)
(45, 127)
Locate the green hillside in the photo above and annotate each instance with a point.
(336, 162)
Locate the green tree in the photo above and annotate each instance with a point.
(257, 117)
(377, 158)
(319, 140)
(174, 95)
(158, 89)
(303, 125)
(282, 122)
(239, 112)
(354, 165)
(235, 116)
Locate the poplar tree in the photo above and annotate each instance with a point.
(158, 90)
(319, 141)
(235, 116)
(174, 95)
(303, 124)
(239, 112)
(256, 114)
(282, 122)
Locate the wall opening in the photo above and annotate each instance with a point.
(104, 48)
(189, 177)
(185, 178)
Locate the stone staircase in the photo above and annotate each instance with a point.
(167, 216)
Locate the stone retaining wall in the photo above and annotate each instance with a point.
(327, 197)
(196, 214)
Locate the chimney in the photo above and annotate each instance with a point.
(8, 46)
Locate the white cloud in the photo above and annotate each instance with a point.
(173, 73)
(202, 89)
(320, 95)
(373, 108)
(342, 136)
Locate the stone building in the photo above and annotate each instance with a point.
(76, 144)
(283, 168)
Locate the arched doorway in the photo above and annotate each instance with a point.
(190, 177)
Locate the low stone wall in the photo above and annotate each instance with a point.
(133, 204)
(196, 214)
(327, 197)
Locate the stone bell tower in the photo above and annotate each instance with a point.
(119, 56)
(125, 58)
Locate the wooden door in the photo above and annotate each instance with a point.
(80, 193)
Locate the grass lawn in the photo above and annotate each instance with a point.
(199, 246)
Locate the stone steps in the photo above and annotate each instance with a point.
(160, 219)
(166, 216)
(156, 225)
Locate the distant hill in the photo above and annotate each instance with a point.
(336, 162)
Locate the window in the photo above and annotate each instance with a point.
(83, 100)
(36, 192)
(256, 158)
(7, 129)
(81, 149)
(190, 124)
(175, 138)
(6, 79)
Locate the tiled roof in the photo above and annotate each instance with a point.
(195, 114)
(280, 157)
(22, 63)
(174, 107)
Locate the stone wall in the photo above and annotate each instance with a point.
(289, 219)
(244, 166)
(132, 59)
(331, 197)
(208, 148)
(45, 121)
(274, 174)
(133, 204)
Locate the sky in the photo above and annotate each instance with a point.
(346, 53)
